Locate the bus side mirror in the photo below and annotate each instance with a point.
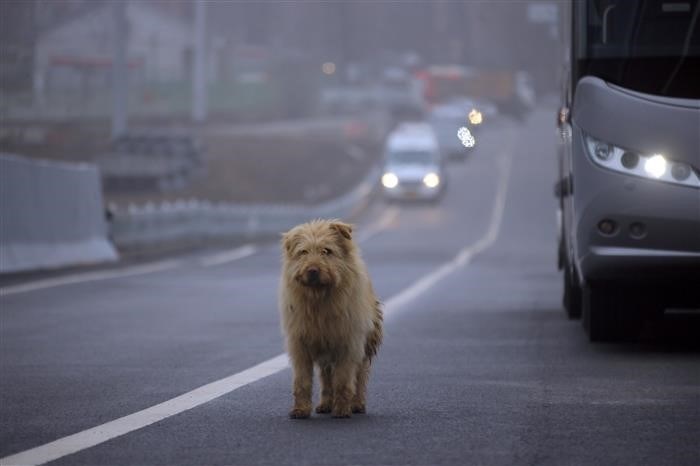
(563, 117)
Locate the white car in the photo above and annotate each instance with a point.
(413, 164)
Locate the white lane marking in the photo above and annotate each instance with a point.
(228, 256)
(96, 435)
(90, 277)
(383, 223)
(102, 433)
(465, 255)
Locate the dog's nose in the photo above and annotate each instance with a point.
(312, 274)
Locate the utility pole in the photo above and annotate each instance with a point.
(38, 62)
(199, 72)
(120, 72)
(440, 43)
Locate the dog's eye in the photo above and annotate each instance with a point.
(303, 252)
(327, 252)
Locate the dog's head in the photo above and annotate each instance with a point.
(318, 255)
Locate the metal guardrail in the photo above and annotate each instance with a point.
(151, 159)
(202, 220)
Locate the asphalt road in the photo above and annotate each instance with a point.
(479, 364)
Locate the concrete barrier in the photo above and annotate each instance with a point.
(51, 215)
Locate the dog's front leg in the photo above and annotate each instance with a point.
(359, 400)
(303, 381)
(326, 403)
(343, 388)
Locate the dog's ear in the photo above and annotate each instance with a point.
(344, 229)
(288, 241)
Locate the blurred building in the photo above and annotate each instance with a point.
(258, 53)
(517, 35)
(77, 51)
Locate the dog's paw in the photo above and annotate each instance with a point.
(341, 412)
(299, 413)
(323, 408)
(358, 408)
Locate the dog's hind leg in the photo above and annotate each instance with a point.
(303, 383)
(344, 377)
(359, 400)
(326, 404)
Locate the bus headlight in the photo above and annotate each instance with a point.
(650, 166)
(603, 151)
(655, 166)
(681, 171)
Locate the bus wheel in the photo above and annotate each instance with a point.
(609, 313)
(572, 294)
(561, 255)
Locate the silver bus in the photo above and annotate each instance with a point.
(629, 163)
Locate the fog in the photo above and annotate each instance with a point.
(260, 60)
(231, 103)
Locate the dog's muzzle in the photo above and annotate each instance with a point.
(312, 276)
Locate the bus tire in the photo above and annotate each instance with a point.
(572, 294)
(608, 314)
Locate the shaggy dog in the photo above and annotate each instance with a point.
(330, 316)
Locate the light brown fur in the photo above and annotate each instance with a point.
(330, 316)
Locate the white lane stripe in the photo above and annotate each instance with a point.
(102, 433)
(91, 437)
(228, 256)
(383, 223)
(464, 256)
(90, 277)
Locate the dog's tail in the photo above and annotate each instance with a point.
(374, 339)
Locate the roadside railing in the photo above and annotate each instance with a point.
(194, 220)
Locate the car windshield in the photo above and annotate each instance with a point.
(411, 157)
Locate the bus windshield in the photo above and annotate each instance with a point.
(650, 46)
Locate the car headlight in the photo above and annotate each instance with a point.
(475, 117)
(650, 166)
(466, 137)
(389, 180)
(431, 180)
